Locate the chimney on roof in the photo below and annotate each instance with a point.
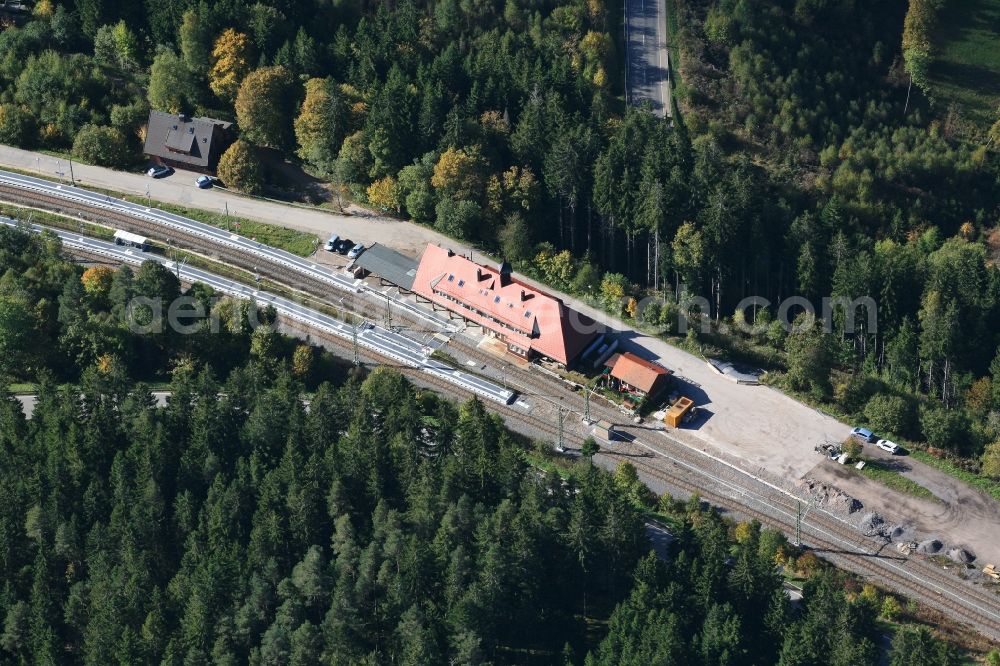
(505, 271)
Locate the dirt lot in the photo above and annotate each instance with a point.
(964, 517)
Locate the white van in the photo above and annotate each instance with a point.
(331, 244)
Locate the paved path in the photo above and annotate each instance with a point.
(179, 188)
(647, 58)
(29, 400)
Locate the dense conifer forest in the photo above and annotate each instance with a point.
(280, 511)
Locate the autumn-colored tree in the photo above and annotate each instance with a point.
(97, 281)
(921, 18)
(230, 64)
(16, 125)
(614, 286)
(239, 168)
(890, 608)
(302, 362)
(557, 267)
(515, 191)
(43, 9)
(495, 123)
(459, 174)
(689, 250)
(321, 125)
(384, 194)
(263, 107)
(743, 532)
(632, 307)
(991, 460)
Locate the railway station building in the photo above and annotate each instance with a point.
(531, 322)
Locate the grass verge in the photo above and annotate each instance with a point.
(876, 470)
(59, 221)
(988, 486)
(300, 243)
(297, 242)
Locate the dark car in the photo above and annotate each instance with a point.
(204, 182)
(344, 245)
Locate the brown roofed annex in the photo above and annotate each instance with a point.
(185, 142)
(531, 322)
(638, 376)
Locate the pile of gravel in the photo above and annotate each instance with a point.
(960, 555)
(830, 497)
(930, 547)
(874, 525)
(871, 522)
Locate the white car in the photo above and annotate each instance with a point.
(886, 445)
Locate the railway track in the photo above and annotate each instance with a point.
(938, 588)
(975, 610)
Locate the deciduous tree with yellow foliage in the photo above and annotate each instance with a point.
(384, 194)
(263, 107)
(322, 124)
(459, 173)
(240, 169)
(230, 64)
(97, 281)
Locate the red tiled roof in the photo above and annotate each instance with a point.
(525, 316)
(638, 372)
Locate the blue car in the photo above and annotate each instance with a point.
(863, 435)
(204, 182)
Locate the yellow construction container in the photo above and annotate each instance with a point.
(675, 415)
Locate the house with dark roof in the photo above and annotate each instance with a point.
(184, 142)
(636, 376)
(531, 322)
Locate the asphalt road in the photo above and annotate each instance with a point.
(179, 189)
(646, 61)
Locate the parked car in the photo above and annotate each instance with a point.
(159, 171)
(863, 435)
(204, 182)
(356, 251)
(332, 244)
(886, 445)
(344, 246)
